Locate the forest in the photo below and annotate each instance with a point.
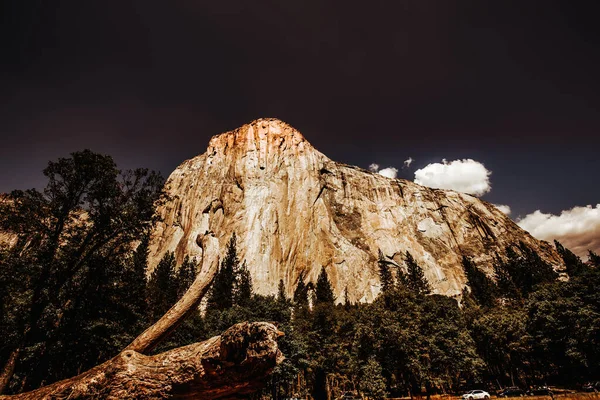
(74, 291)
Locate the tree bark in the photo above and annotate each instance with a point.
(233, 364)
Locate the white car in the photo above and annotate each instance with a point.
(476, 395)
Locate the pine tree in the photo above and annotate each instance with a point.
(301, 293)
(416, 280)
(193, 327)
(594, 258)
(186, 275)
(311, 294)
(323, 290)
(573, 263)
(385, 275)
(471, 310)
(504, 281)
(525, 268)
(243, 288)
(281, 297)
(135, 279)
(347, 302)
(401, 279)
(222, 291)
(538, 269)
(483, 288)
(162, 287)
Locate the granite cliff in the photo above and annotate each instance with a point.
(294, 210)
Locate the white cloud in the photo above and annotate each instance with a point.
(374, 167)
(504, 208)
(389, 172)
(408, 161)
(468, 176)
(578, 229)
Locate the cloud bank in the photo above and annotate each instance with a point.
(578, 229)
(467, 176)
(504, 208)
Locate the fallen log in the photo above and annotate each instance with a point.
(233, 364)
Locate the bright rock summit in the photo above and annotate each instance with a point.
(294, 210)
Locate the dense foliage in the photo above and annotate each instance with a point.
(71, 284)
(74, 291)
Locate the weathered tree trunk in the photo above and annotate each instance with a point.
(235, 363)
(188, 302)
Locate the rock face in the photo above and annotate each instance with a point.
(294, 210)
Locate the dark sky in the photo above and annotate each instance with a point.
(515, 85)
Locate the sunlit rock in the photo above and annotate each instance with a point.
(295, 210)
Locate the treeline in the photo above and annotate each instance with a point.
(523, 327)
(531, 327)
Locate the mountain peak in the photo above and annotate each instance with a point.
(261, 134)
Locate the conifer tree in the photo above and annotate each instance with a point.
(594, 258)
(135, 279)
(186, 275)
(301, 293)
(347, 303)
(281, 297)
(140, 257)
(483, 288)
(504, 281)
(470, 307)
(573, 263)
(537, 270)
(415, 277)
(401, 279)
(323, 290)
(371, 380)
(162, 287)
(385, 275)
(243, 288)
(311, 294)
(222, 291)
(525, 268)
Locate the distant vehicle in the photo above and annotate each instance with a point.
(476, 395)
(540, 391)
(591, 387)
(512, 391)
